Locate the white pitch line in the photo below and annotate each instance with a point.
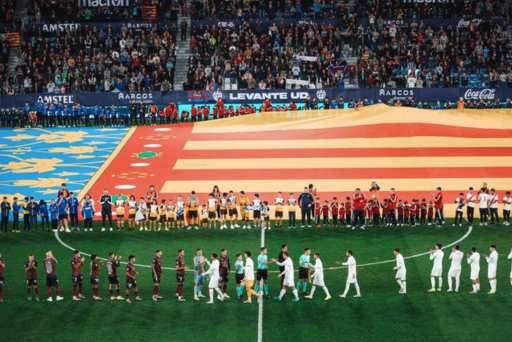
(470, 229)
(260, 308)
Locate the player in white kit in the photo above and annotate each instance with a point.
(455, 268)
(288, 274)
(492, 261)
(510, 258)
(474, 262)
(318, 277)
(213, 272)
(401, 271)
(352, 274)
(437, 270)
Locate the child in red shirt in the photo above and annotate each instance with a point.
(376, 212)
(385, 212)
(348, 211)
(414, 212)
(407, 213)
(423, 209)
(326, 209)
(400, 209)
(341, 214)
(430, 212)
(334, 210)
(318, 207)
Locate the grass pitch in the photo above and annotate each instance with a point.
(381, 314)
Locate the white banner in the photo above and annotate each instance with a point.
(298, 82)
(307, 58)
(103, 3)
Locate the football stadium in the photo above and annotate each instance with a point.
(274, 170)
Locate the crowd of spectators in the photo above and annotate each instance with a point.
(40, 11)
(271, 9)
(251, 57)
(415, 55)
(94, 60)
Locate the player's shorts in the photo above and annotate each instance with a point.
(152, 218)
(223, 212)
(198, 278)
(238, 278)
(233, 212)
(261, 274)
(113, 280)
(351, 279)
(52, 281)
(224, 277)
(31, 282)
(303, 273)
(256, 214)
(491, 273)
(475, 274)
(157, 278)
(95, 281)
(77, 279)
(170, 219)
(288, 282)
(266, 218)
(180, 217)
(120, 216)
(242, 210)
(401, 275)
(2, 281)
(279, 214)
(436, 272)
(211, 215)
(163, 218)
(63, 216)
(318, 281)
(131, 283)
(180, 278)
(192, 214)
(131, 216)
(454, 272)
(214, 282)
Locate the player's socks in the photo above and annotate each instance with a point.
(325, 290)
(74, 290)
(112, 293)
(49, 292)
(440, 282)
(457, 283)
(449, 284)
(195, 290)
(266, 288)
(400, 283)
(433, 282)
(225, 287)
(347, 287)
(117, 292)
(220, 293)
(28, 291)
(299, 284)
(36, 291)
(80, 288)
(211, 295)
(304, 286)
(295, 293)
(475, 288)
(282, 293)
(313, 288)
(404, 286)
(357, 288)
(238, 291)
(257, 287)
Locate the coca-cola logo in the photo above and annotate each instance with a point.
(465, 23)
(484, 94)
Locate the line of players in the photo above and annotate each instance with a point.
(219, 270)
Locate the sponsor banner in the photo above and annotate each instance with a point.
(307, 58)
(103, 3)
(463, 23)
(257, 97)
(49, 30)
(428, 2)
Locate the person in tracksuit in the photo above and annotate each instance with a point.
(306, 201)
(106, 209)
(33, 210)
(54, 215)
(73, 211)
(43, 212)
(16, 215)
(6, 209)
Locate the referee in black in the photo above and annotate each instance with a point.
(306, 201)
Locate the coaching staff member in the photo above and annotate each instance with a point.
(305, 202)
(106, 209)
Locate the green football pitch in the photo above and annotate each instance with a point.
(381, 314)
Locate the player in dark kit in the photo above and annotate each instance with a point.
(180, 274)
(2, 280)
(31, 269)
(224, 271)
(51, 276)
(131, 281)
(76, 275)
(95, 282)
(156, 268)
(113, 263)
